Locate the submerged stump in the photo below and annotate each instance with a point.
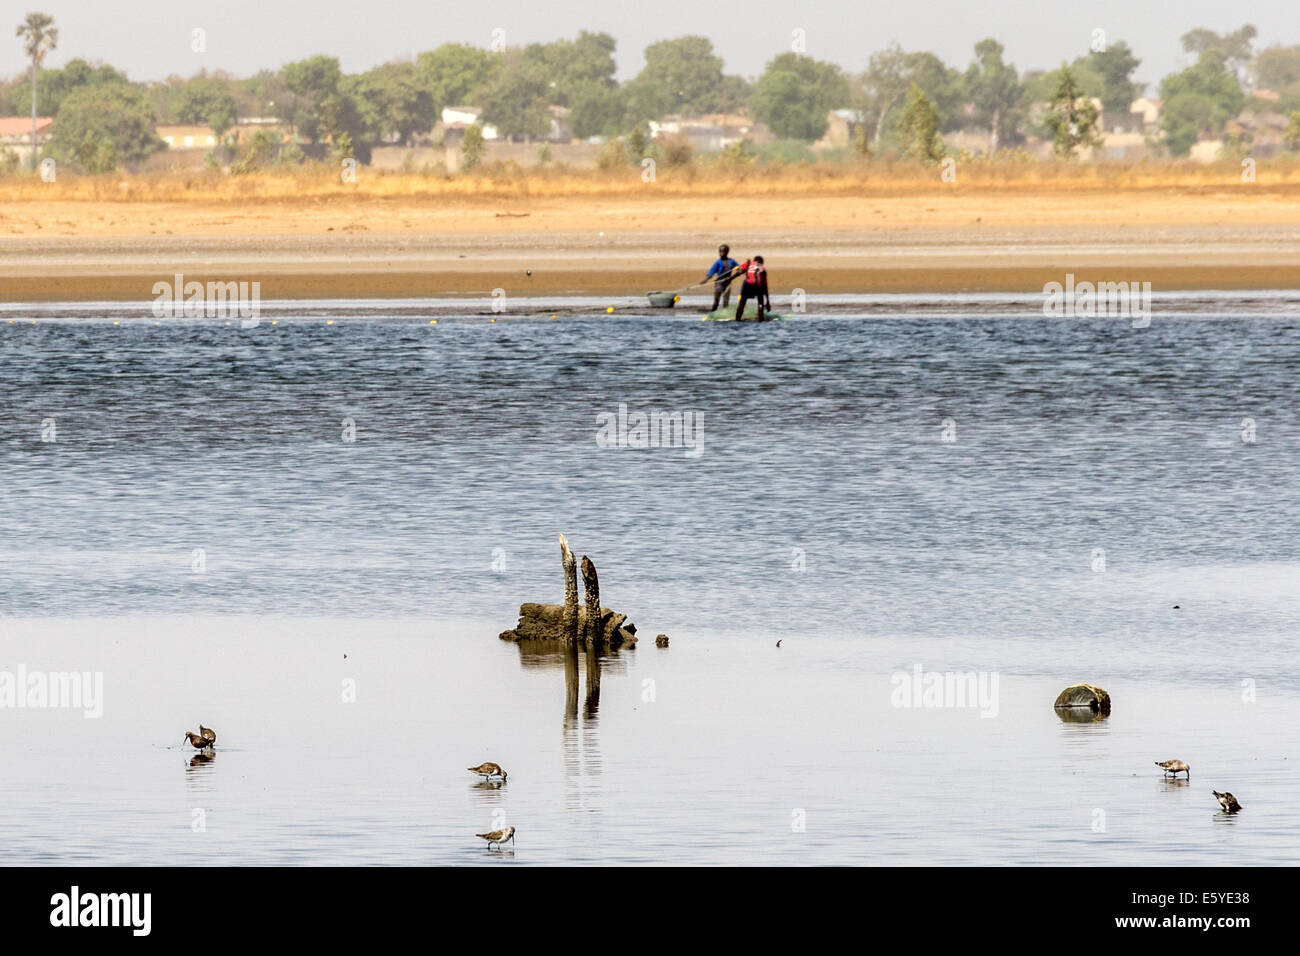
(595, 626)
(593, 634)
(569, 622)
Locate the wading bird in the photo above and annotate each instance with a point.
(488, 770)
(1175, 767)
(205, 739)
(497, 836)
(1227, 801)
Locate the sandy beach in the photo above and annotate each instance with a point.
(981, 238)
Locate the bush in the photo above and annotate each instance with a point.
(472, 148)
(291, 153)
(789, 151)
(260, 153)
(673, 151)
(613, 156)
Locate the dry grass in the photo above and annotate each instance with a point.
(321, 183)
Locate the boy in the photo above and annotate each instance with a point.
(725, 270)
(754, 287)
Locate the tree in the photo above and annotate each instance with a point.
(315, 106)
(265, 94)
(56, 85)
(455, 71)
(1072, 116)
(391, 101)
(1199, 100)
(1292, 135)
(471, 147)
(891, 73)
(207, 102)
(1233, 48)
(573, 65)
(118, 115)
(795, 93)
(919, 126)
(1278, 67)
(995, 91)
(1115, 65)
(39, 36)
(515, 99)
(596, 110)
(680, 76)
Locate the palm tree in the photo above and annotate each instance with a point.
(40, 36)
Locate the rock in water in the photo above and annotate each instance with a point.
(1083, 699)
(661, 640)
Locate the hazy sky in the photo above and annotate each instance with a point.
(151, 39)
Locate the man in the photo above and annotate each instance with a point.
(725, 270)
(754, 287)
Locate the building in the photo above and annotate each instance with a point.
(710, 132)
(841, 127)
(16, 135)
(561, 130)
(187, 137)
(457, 119)
(1263, 132)
(1148, 110)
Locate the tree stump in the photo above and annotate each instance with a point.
(569, 623)
(595, 635)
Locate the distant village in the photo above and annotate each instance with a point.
(458, 106)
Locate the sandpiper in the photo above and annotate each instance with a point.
(497, 836)
(1175, 767)
(1227, 801)
(488, 770)
(204, 739)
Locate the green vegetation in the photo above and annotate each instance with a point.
(1072, 116)
(1201, 99)
(796, 92)
(901, 104)
(471, 147)
(995, 92)
(919, 128)
(39, 36)
(98, 126)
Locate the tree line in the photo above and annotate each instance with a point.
(904, 101)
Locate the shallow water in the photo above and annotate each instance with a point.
(200, 531)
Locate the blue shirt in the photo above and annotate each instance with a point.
(721, 268)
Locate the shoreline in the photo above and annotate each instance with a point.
(916, 261)
(973, 239)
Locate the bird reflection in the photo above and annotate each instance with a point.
(200, 760)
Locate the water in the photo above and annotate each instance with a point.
(1098, 477)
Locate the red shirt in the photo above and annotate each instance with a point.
(755, 275)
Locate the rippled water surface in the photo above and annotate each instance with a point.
(201, 532)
